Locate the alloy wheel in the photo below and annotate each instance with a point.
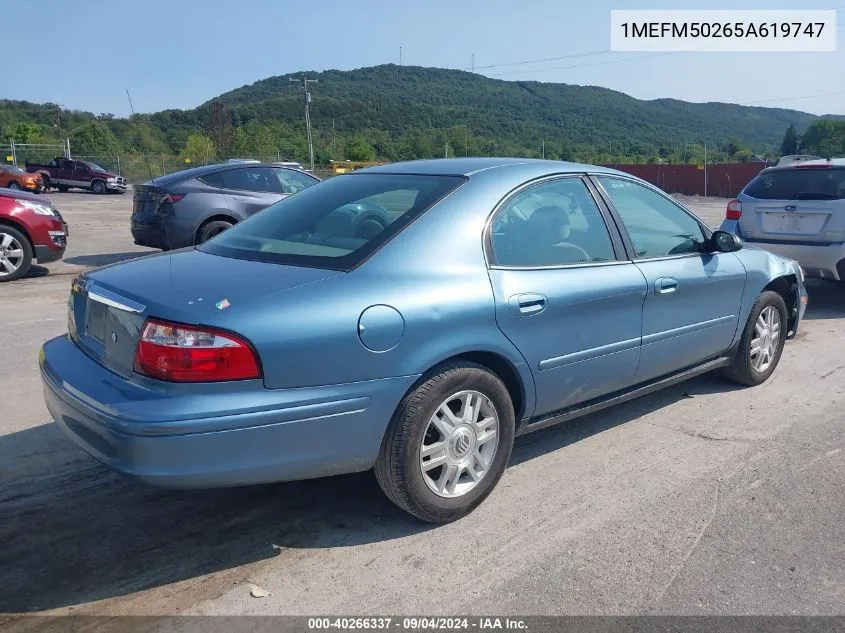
(764, 345)
(11, 254)
(459, 444)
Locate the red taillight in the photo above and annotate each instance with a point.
(734, 210)
(188, 353)
(173, 197)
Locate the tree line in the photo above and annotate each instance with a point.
(397, 113)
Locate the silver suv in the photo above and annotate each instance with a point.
(796, 211)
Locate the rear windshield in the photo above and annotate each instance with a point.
(799, 184)
(335, 224)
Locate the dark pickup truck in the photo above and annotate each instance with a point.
(64, 173)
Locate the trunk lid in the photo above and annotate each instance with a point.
(108, 307)
(146, 199)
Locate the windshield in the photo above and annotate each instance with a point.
(94, 167)
(335, 224)
(13, 170)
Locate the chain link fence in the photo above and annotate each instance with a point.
(138, 168)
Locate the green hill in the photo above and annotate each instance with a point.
(398, 97)
(398, 112)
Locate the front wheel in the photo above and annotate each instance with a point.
(98, 187)
(762, 341)
(15, 254)
(448, 443)
(14, 185)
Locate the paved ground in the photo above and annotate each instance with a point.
(702, 499)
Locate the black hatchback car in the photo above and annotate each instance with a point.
(188, 207)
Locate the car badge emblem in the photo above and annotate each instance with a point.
(113, 337)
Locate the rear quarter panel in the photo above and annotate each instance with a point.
(433, 274)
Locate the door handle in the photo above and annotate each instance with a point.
(665, 285)
(791, 207)
(527, 304)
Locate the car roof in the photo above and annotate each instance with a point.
(804, 165)
(202, 170)
(471, 166)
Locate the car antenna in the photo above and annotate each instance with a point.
(150, 170)
(143, 149)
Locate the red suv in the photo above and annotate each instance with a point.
(31, 230)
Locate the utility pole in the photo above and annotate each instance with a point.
(305, 81)
(400, 55)
(705, 170)
(333, 138)
(58, 126)
(544, 150)
(473, 62)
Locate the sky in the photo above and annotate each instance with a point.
(181, 53)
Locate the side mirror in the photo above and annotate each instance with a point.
(724, 242)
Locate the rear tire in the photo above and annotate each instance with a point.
(15, 254)
(762, 342)
(46, 181)
(63, 188)
(210, 229)
(14, 185)
(448, 443)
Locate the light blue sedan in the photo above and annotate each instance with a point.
(413, 319)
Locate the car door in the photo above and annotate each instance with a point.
(250, 190)
(691, 310)
(565, 294)
(65, 173)
(81, 175)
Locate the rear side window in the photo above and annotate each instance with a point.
(798, 184)
(258, 179)
(335, 224)
(555, 223)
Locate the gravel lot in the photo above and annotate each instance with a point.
(702, 499)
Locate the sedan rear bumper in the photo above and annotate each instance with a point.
(229, 435)
(149, 233)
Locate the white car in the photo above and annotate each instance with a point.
(796, 211)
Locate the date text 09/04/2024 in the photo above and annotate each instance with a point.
(417, 623)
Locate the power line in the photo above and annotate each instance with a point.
(821, 94)
(542, 60)
(595, 53)
(609, 61)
